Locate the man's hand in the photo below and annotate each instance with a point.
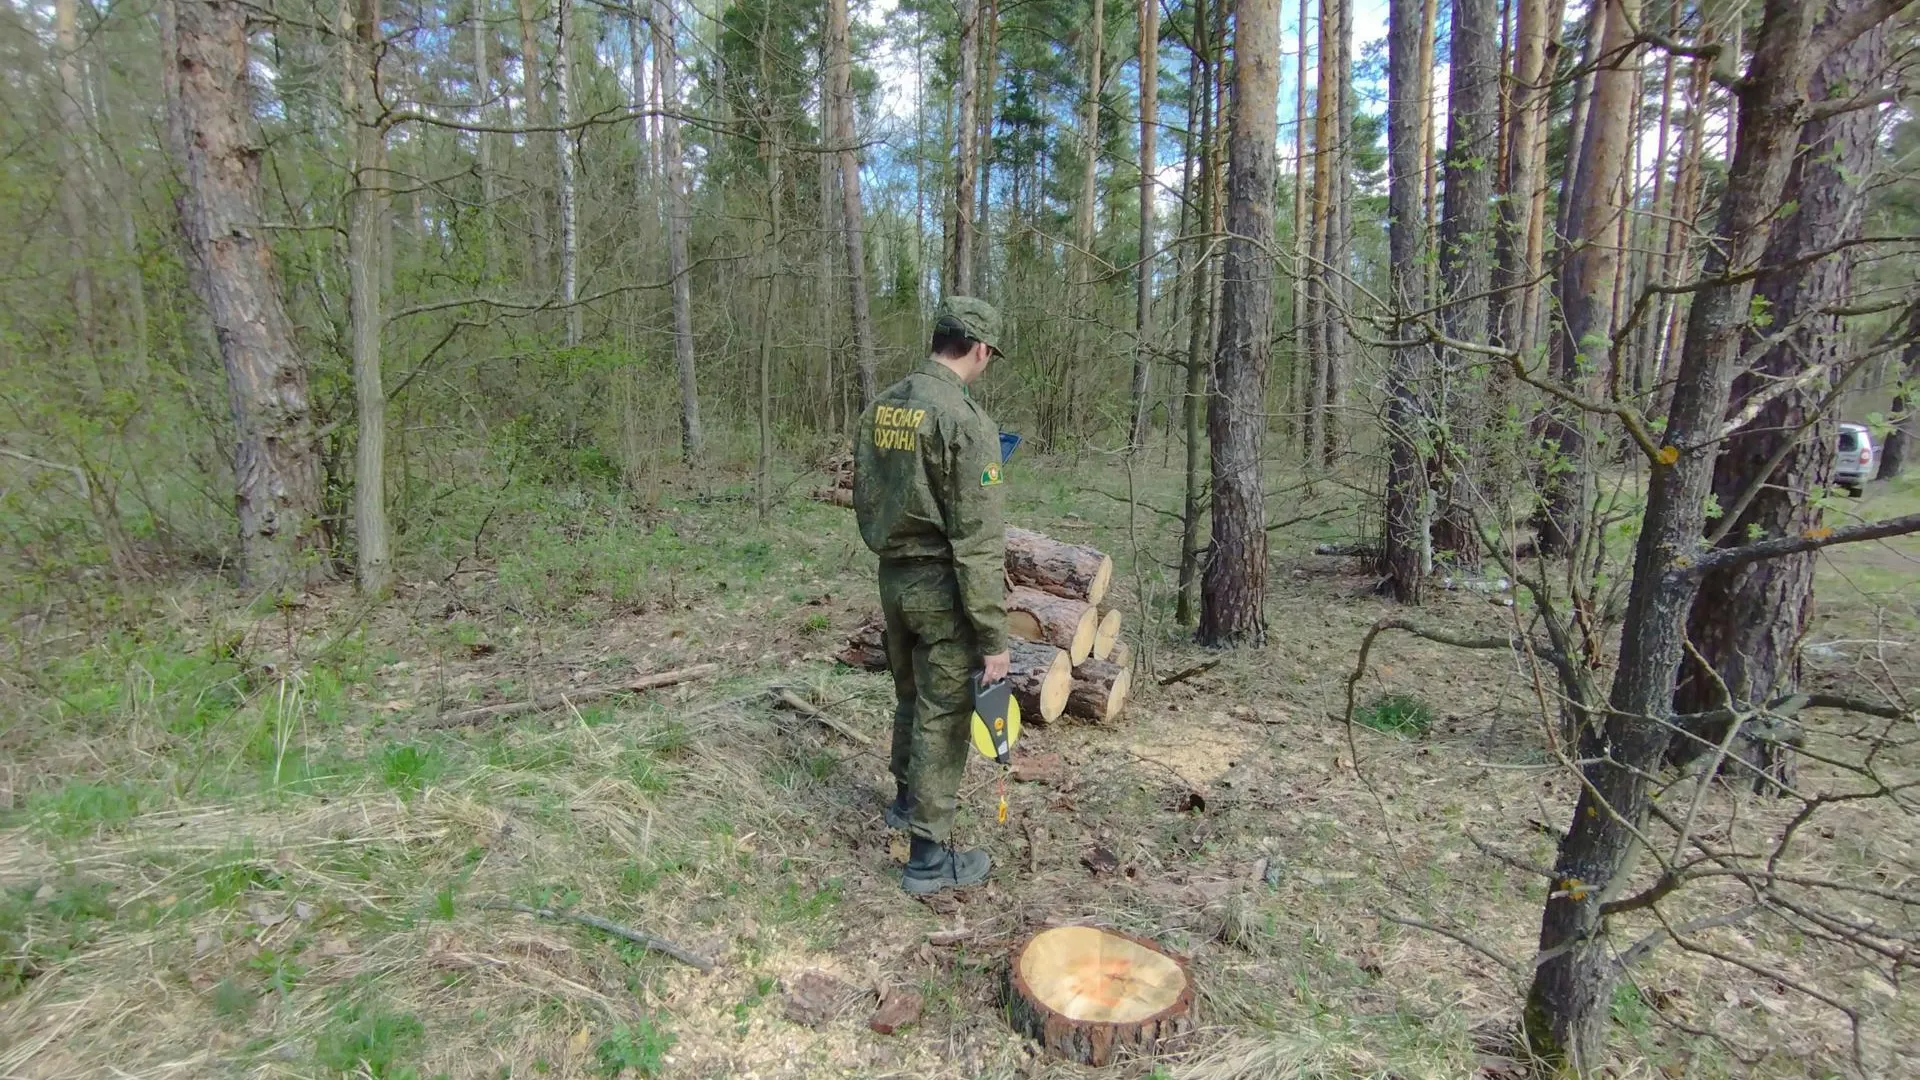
(995, 667)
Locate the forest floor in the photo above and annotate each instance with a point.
(232, 844)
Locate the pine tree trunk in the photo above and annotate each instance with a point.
(1586, 285)
(1473, 113)
(1234, 588)
(534, 108)
(1517, 260)
(1303, 389)
(368, 208)
(960, 266)
(1748, 623)
(1338, 293)
(680, 223)
(983, 147)
(211, 132)
(852, 218)
(1405, 535)
(483, 141)
(1429, 104)
(642, 151)
(563, 153)
(1198, 332)
(1567, 1010)
(73, 208)
(1149, 128)
(1893, 456)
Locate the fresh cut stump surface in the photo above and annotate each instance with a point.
(1059, 621)
(1084, 993)
(1072, 570)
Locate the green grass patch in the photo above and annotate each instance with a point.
(636, 1049)
(82, 808)
(363, 1040)
(1397, 714)
(45, 923)
(406, 768)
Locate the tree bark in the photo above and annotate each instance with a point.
(852, 217)
(1517, 260)
(966, 169)
(1303, 402)
(666, 65)
(1586, 284)
(1198, 333)
(1060, 621)
(368, 208)
(983, 147)
(1406, 535)
(642, 150)
(1893, 456)
(1099, 690)
(563, 153)
(69, 193)
(1429, 175)
(1337, 294)
(1567, 1007)
(534, 108)
(483, 141)
(1747, 623)
(1466, 246)
(1143, 308)
(1075, 571)
(1233, 591)
(211, 132)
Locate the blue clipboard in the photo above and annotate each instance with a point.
(1008, 442)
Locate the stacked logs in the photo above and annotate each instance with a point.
(1066, 656)
(839, 470)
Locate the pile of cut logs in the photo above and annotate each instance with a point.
(839, 491)
(1067, 656)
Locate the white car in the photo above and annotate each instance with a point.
(1853, 465)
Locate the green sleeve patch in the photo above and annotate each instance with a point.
(990, 475)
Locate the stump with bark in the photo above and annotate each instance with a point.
(1071, 570)
(1059, 621)
(1099, 690)
(1085, 993)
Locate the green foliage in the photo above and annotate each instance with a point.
(407, 768)
(363, 1039)
(43, 923)
(1396, 714)
(82, 808)
(639, 1048)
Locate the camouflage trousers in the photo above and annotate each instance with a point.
(932, 653)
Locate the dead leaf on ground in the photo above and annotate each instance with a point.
(1101, 861)
(814, 998)
(901, 1008)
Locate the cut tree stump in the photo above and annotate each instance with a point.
(1059, 621)
(838, 496)
(1085, 993)
(1099, 690)
(1071, 570)
(1042, 679)
(1121, 657)
(1107, 635)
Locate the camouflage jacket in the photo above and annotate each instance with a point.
(927, 486)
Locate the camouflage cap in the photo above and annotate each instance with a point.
(971, 317)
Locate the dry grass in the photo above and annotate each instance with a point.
(292, 886)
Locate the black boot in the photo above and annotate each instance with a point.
(933, 866)
(899, 812)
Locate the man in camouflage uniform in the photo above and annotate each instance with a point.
(926, 488)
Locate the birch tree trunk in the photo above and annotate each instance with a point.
(563, 153)
(1234, 588)
(367, 210)
(1149, 128)
(1406, 535)
(679, 224)
(852, 219)
(210, 129)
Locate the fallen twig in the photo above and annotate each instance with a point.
(805, 708)
(637, 937)
(1183, 676)
(578, 696)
